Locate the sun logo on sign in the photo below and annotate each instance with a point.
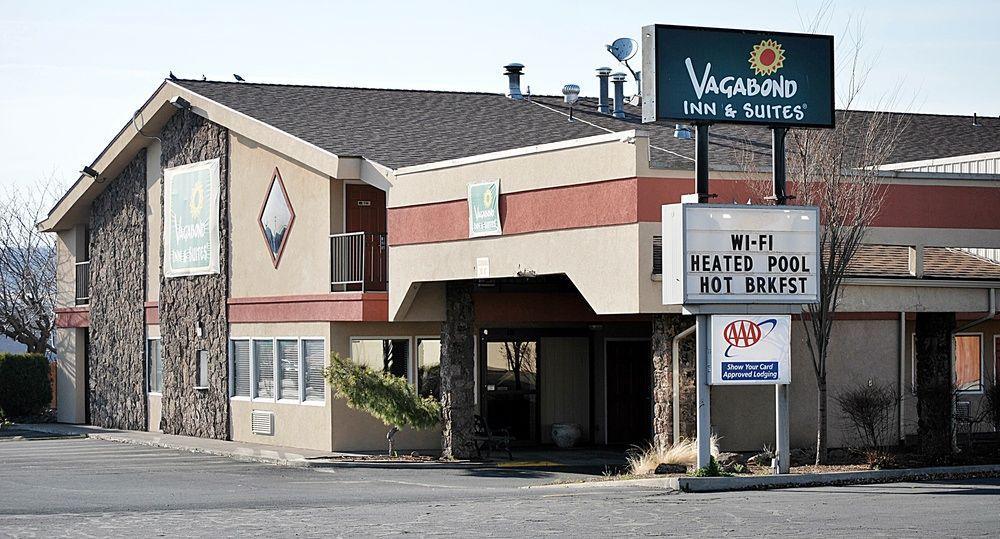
(767, 57)
(197, 202)
(746, 333)
(488, 198)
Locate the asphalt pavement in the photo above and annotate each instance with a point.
(84, 487)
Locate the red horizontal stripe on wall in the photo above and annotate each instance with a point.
(152, 312)
(73, 317)
(333, 307)
(631, 200)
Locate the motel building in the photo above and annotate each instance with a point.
(482, 246)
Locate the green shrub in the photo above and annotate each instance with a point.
(25, 389)
(712, 469)
(386, 397)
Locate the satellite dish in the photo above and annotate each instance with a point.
(623, 48)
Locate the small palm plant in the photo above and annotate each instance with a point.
(386, 397)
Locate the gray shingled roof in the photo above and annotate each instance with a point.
(407, 127)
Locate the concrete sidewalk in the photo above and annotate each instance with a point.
(270, 454)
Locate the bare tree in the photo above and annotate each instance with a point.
(837, 170)
(520, 359)
(27, 268)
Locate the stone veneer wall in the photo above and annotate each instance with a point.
(187, 301)
(458, 365)
(116, 357)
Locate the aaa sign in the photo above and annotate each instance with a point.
(751, 349)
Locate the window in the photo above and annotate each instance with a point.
(281, 369)
(154, 365)
(201, 380)
(241, 367)
(313, 361)
(263, 357)
(386, 355)
(969, 362)
(288, 369)
(429, 367)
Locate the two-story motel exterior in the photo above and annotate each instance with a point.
(377, 264)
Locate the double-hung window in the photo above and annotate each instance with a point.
(389, 355)
(285, 369)
(969, 362)
(154, 365)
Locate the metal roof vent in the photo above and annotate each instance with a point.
(682, 132)
(513, 72)
(603, 73)
(618, 79)
(571, 94)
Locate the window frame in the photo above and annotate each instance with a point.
(416, 358)
(149, 365)
(232, 369)
(275, 379)
(411, 368)
(982, 358)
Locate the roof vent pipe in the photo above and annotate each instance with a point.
(602, 96)
(513, 72)
(618, 79)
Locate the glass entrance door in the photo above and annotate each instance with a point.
(510, 385)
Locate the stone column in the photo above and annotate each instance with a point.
(934, 386)
(457, 371)
(665, 328)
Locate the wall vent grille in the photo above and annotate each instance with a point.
(657, 255)
(262, 422)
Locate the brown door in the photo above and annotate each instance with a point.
(365, 212)
(629, 375)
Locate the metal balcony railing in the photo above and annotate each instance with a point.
(83, 282)
(358, 261)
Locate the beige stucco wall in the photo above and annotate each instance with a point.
(70, 382)
(67, 243)
(304, 425)
(154, 219)
(861, 350)
(154, 408)
(354, 430)
(602, 262)
(304, 267)
(607, 159)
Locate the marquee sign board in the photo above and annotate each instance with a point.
(714, 75)
(751, 349)
(191, 219)
(734, 254)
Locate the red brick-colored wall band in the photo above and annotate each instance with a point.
(152, 309)
(347, 306)
(73, 317)
(631, 200)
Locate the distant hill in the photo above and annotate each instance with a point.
(8, 345)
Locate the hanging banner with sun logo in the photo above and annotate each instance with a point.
(713, 75)
(191, 219)
(484, 209)
(751, 349)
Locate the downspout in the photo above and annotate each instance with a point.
(902, 374)
(676, 389)
(988, 317)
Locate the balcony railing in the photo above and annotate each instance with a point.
(358, 261)
(83, 282)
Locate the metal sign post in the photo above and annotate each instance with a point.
(781, 449)
(703, 358)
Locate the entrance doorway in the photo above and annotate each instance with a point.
(629, 387)
(365, 215)
(510, 386)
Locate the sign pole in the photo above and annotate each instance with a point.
(703, 322)
(781, 448)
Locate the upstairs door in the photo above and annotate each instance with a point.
(365, 213)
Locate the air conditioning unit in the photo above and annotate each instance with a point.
(262, 422)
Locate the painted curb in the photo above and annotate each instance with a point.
(766, 482)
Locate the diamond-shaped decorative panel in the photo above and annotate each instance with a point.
(276, 218)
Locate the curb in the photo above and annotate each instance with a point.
(769, 482)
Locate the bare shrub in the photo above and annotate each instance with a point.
(991, 405)
(684, 452)
(870, 410)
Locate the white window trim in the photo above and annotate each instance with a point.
(299, 346)
(982, 370)
(411, 369)
(148, 364)
(416, 359)
(302, 365)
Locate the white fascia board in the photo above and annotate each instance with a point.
(619, 136)
(941, 161)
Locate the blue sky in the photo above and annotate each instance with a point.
(72, 73)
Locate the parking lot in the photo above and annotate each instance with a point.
(74, 487)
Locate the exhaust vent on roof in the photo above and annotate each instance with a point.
(513, 72)
(262, 422)
(603, 73)
(618, 79)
